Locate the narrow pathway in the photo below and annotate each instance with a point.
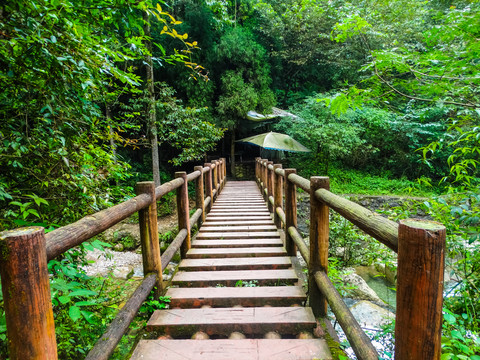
(236, 290)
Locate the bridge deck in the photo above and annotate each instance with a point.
(236, 295)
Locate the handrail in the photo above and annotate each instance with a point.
(420, 246)
(25, 252)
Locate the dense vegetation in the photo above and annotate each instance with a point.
(99, 94)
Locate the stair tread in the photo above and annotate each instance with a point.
(237, 228)
(235, 252)
(248, 320)
(235, 263)
(214, 222)
(247, 275)
(238, 235)
(230, 296)
(235, 243)
(252, 349)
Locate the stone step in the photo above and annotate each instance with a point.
(235, 252)
(223, 321)
(247, 349)
(231, 296)
(253, 263)
(233, 277)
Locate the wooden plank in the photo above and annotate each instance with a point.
(251, 349)
(237, 235)
(250, 211)
(236, 252)
(231, 277)
(231, 296)
(223, 321)
(239, 228)
(238, 216)
(259, 263)
(213, 222)
(236, 243)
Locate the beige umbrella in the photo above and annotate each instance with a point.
(276, 141)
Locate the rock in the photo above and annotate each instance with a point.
(118, 247)
(236, 336)
(305, 335)
(389, 271)
(272, 335)
(362, 290)
(122, 272)
(370, 315)
(200, 335)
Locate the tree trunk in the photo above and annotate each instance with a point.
(232, 154)
(151, 114)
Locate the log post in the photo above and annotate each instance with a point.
(278, 195)
(269, 186)
(265, 179)
(147, 219)
(26, 294)
(421, 262)
(199, 195)
(183, 212)
(208, 186)
(290, 211)
(214, 176)
(257, 172)
(319, 231)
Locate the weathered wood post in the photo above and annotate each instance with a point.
(224, 172)
(147, 219)
(199, 195)
(265, 179)
(26, 294)
(270, 185)
(421, 263)
(278, 196)
(208, 186)
(257, 172)
(183, 212)
(214, 176)
(290, 211)
(319, 239)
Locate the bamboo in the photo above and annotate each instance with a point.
(26, 294)
(183, 212)
(319, 229)
(278, 195)
(290, 211)
(421, 262)
(105, 346)
(149, 235)
(382, 229)
(270, 185)
(199, 195)
(359, 342)
(208, 186)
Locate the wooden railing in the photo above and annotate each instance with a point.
(420, 246)
(24, 254)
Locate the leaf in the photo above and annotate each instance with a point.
(83, 292)
(64, 299)
(74, 313)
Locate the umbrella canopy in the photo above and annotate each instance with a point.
(275, 141)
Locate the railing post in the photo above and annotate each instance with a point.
(278, 196)
(199, 195)
(26, 294)
(269, 186)
(214, 176)
(183, 212)
(257, 171)
(421, 262)
(208, 186)
(290, 211)
(319, 232)
(265, 179)
(147, 219)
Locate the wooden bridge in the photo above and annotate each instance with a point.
(248, 236)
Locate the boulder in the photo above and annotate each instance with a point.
(370, 315)
(361, 291)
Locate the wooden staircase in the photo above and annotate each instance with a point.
(212, 314)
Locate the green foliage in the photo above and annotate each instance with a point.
(457, 342)
(243, 283)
